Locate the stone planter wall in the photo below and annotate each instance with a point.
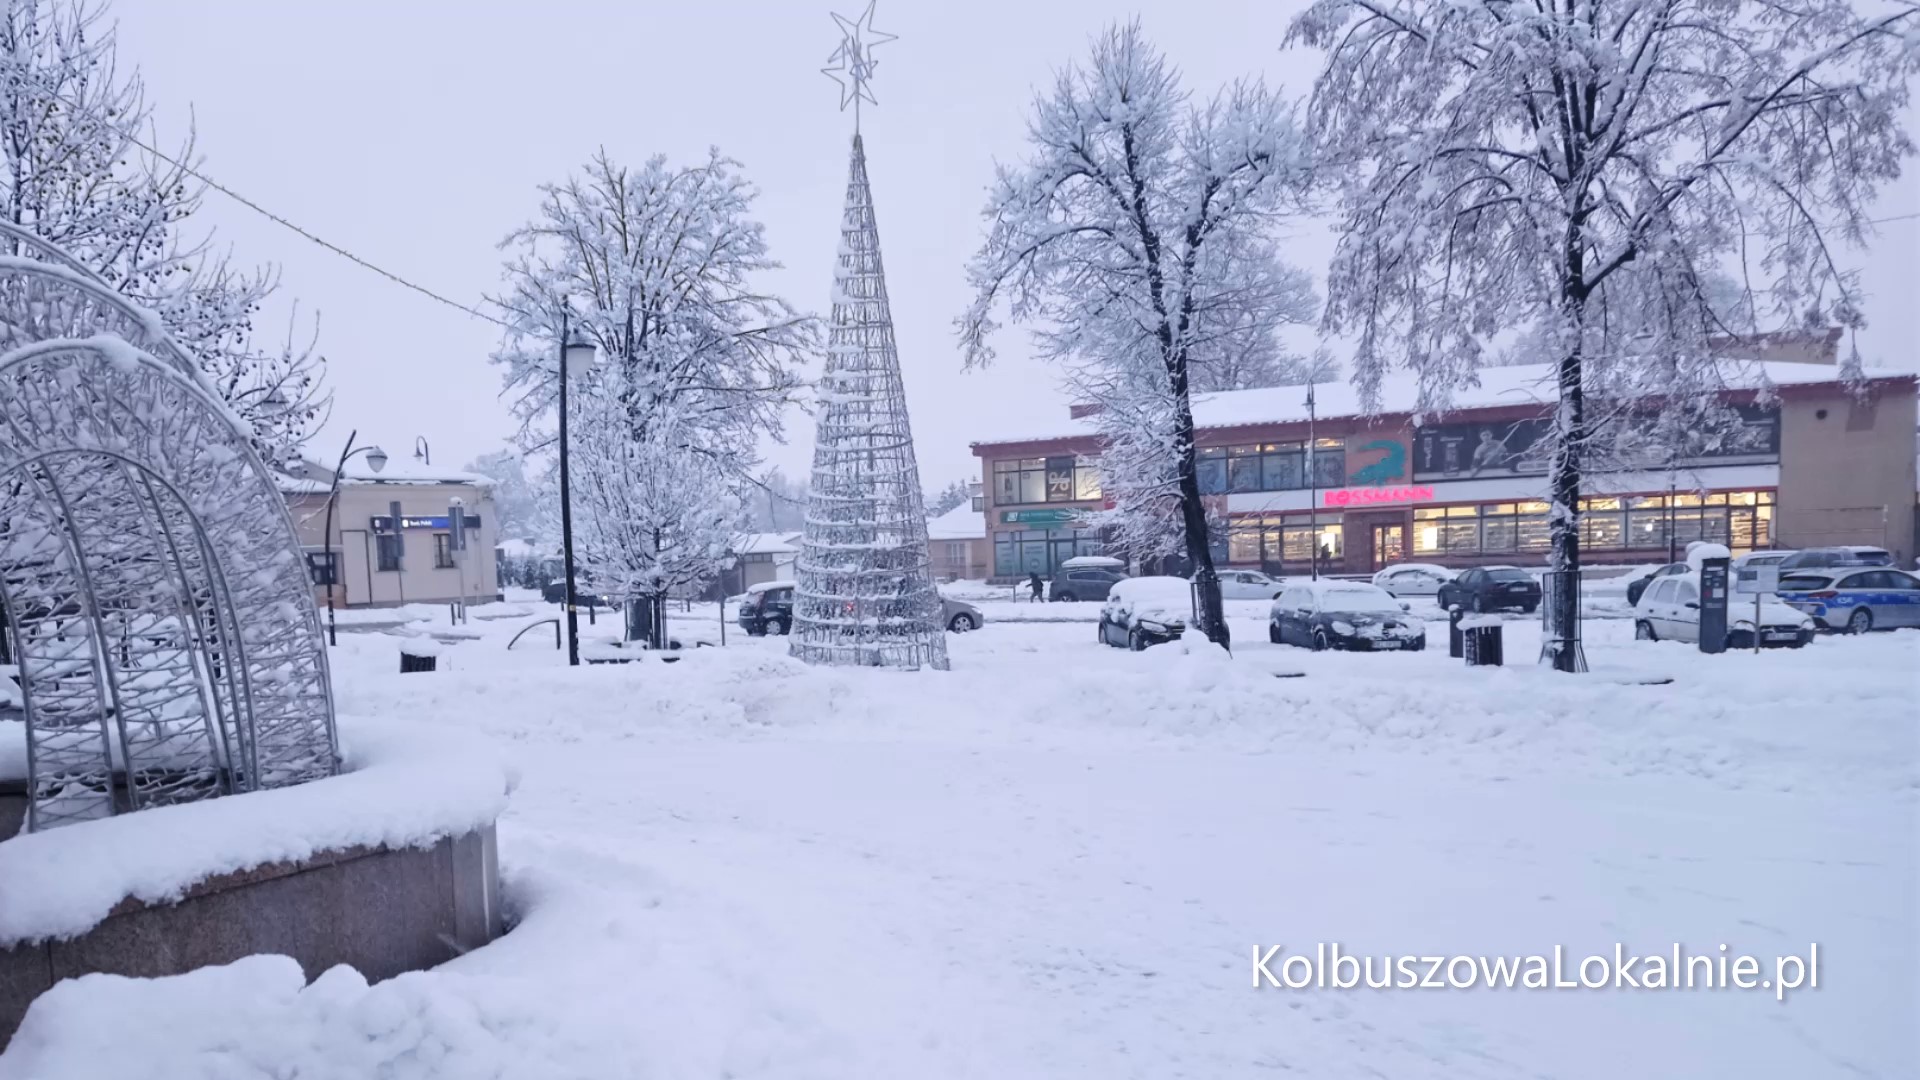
(384, 911)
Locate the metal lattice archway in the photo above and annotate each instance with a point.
(154, 598)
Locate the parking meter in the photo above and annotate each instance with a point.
(1714, 589)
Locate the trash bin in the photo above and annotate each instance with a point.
(1481, 644)
(1454, 615)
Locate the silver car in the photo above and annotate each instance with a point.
(960, 616)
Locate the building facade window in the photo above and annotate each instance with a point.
(387, 550)
(957, 551)
(1041, 551)
(1742, 520)
(1043, 480)
(1284, 544)
(442, 551)
(1271, 466)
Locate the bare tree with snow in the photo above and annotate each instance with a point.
(71, 172)
(1140, 233)
(1585, 168)
(658, 267)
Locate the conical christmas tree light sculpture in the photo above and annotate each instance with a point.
(865, 592)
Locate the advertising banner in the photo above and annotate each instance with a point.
(1501, 448)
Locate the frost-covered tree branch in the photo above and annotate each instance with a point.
(71, 173)
(1589, 172)
(1139, 242)
(657, 267)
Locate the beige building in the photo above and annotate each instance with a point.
(375, 563)
(957, 544)
(1812, 462)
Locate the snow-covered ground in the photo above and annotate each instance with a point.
(1056, 860)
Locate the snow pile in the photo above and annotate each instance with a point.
(400, 789)
(258, 1017)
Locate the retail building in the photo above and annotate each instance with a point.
(1812, 461)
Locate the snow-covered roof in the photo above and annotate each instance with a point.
(518, 548)
(1523, 384)
(299, 485)
(399, 470)
(769, 586)
(962, 522)
(786, 543)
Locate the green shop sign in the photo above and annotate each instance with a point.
(1040, 517)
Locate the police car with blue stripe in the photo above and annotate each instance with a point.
(1855, 599)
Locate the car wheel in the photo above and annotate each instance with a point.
(1643, 631)
(1136, 640)
(1320, 643)
(1419, 645)
(783, 628)
(961, 623)
(1273, 633)
(1064, 598)
(1860, 621)
(1528, 609)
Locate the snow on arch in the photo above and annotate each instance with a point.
(151, 585)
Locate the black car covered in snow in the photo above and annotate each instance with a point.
(1491, 588)
(767, 608)
(1352, 615)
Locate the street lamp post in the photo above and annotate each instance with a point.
(1313, 499)
(377, 458)
(574, 353)
(422, 449)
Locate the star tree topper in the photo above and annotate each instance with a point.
(852, 64)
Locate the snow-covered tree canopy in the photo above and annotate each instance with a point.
(658, 268)
(1585, 169)
(1598, 170)
(1140, 240)
(71, 173)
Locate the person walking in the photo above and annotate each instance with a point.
(1034, 583)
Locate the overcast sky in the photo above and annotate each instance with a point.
(414, 133)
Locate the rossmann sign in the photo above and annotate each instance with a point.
(1372, 496)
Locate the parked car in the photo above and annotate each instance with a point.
(959, 616)
(1146, 611)
(1085, 577)
(768, 608)
(1248, 585)
(1413, 579)
(556, 593)
(1638, 586)
(1343, 615)
(1826, 557)
(1491, 588)
(1761, 558)
(1670, 610)
(1854, 600)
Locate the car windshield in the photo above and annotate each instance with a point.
(1361, 600)
(1509, 575)
(1804, 582)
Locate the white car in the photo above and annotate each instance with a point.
(1670, 611)
(1249, 585)
(1413, 579)
(1146, 611)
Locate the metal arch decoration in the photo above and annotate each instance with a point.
(154, 598)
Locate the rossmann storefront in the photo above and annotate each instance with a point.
(1814, 464)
